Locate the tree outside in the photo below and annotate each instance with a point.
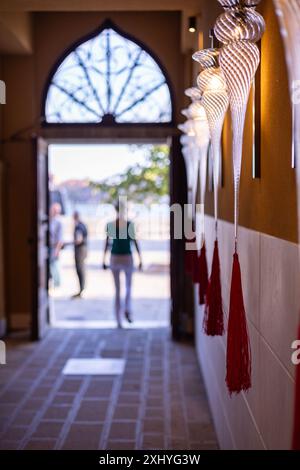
(143, 183)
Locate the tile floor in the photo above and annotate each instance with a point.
(158, 403)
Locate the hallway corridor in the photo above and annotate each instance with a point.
(158, 141)
(159, 402)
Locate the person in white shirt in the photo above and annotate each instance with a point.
(56, 242)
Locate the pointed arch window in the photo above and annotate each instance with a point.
(108, 79)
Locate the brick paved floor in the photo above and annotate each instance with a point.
(158, 403)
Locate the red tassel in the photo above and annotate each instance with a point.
(296, 435)
(213, 323)
(238, 376)
(203, 275)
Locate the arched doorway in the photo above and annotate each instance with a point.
(108, 78)
(105, 88)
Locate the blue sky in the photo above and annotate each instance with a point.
(95, 162)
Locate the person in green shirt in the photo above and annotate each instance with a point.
(120, 234)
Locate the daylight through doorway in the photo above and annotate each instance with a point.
(88, 179)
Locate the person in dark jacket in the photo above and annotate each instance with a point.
(80, 251)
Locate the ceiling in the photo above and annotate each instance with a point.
(101, 5)
(16, 16)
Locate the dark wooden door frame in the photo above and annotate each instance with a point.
(182, 304)
(34, 242)
(178, 194)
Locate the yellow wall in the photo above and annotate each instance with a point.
(2, 169)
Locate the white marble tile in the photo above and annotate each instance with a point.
(276, 401)
(280, 296)
(234, 419)
(249, 255)
(261, 418)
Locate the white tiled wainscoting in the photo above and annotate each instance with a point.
(263, 417)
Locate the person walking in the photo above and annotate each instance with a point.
(56, 242)
(121, 235)
(80, 251)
